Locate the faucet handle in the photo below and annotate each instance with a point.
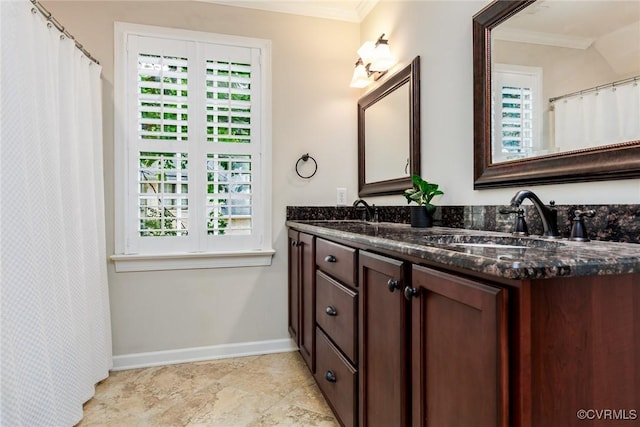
(520, 227)
(578, 229)
(578, 214)
(505, 210)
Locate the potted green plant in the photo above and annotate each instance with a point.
(421, 194)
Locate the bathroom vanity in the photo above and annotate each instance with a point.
(453, 327)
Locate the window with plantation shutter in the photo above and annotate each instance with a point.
(192, 149)
(516, 112)
(228, 102)
(163, 98)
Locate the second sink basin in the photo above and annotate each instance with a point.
(488, 241)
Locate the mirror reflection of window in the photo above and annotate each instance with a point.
(580, 47)
(516, 112)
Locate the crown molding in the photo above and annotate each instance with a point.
(548, 39)
(350, 11)
(364, 7)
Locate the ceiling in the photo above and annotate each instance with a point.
(611, 27)
(344, 10)
(589, 19)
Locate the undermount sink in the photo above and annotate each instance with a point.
(491, 245)
(488, 241)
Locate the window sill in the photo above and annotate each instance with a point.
(188, 261)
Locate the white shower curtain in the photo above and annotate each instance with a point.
(607, 116)
(56, 336)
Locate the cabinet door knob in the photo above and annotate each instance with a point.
(330, 376)
(393, 285)
(410, 292)
(294, 243)
(331, 311)
(330, 258)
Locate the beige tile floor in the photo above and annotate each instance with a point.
(267, 390)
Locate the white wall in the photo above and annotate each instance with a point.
(314, 111)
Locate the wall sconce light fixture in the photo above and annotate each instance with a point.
(374, 59)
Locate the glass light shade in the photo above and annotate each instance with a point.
(366, 52)
(360, 77)
(383, 59)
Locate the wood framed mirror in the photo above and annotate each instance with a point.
(389, 134)
(589, 162)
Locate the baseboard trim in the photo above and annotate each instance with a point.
(198, 354)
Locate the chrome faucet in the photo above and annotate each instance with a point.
(548, 214)
(370, 212)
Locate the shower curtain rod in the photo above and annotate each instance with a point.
(596, 88)
(40, 8)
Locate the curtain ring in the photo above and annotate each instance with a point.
(304, 158)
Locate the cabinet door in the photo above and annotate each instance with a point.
(459, 351)
(383, 342)
(294, 286)
(307, 310)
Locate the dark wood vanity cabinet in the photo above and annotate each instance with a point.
(459, 363)
(336, 302)
(294, 286)
(302, 293)
(433, 347)
(384, 355)
(400, 343)
(584, 351)
(397, 344)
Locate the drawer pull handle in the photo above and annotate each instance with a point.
(331, 311)
(410, 292)
(330, 258)
(330, 376)
(393, 285)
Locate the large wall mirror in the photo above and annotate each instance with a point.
(389, 134)
(556, 92)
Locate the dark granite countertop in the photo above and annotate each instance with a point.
(494, 253)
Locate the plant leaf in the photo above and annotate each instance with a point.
(423, 191)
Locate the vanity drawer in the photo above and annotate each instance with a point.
(336, 313)
(337, 260)
(337, 379)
